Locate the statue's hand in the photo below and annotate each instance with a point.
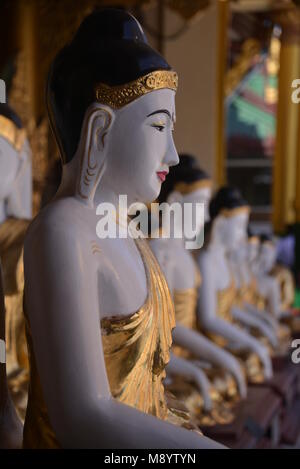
(263, 354)
(203, 385)
(236, 371)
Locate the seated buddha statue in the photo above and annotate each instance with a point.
(253, 299)
(274, 289)
(246, 291)
(99, 315)
(188, 184)
(218, 291)
(15, 213)
(10, 425)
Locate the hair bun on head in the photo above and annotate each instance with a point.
(109, 48)
(226, 200)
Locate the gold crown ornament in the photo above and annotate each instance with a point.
(118, 96)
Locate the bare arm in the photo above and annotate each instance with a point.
(249, 320)
(63, 308)
(207, 308)
(187, 370)
(205, 349)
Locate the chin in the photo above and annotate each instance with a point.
(151, 193)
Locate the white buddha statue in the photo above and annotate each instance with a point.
(15, 213)
(99, 313)
(238, 260)
(188, 184)
(218, 292)
(275, 290)
(249, 262)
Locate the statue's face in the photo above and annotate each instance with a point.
(9, 164)
(233, 230)
(141, 147)
(267, 257)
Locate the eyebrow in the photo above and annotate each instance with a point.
(160, 111)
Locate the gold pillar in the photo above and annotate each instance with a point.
(28, 44)
(222, 31)
(287, 150)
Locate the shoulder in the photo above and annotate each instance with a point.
(58, 223)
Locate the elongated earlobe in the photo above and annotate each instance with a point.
(97, 125)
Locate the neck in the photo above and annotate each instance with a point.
(2, 212)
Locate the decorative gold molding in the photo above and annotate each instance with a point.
(37, 133)
(250, 49)
(118, 96)
(286, 155)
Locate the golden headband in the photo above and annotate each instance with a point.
(10, 132)
(118, 96)
(253, 240)
(231, 212)
(268, 243)
(188, 187)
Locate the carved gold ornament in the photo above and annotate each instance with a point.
(10, 132)
(118, 96)
(187, 188)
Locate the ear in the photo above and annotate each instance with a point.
(174, 197)
(94, 136)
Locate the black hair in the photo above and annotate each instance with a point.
(9, 113)
(109, 47)
(226, 198)
(265, 238)
(186, 171)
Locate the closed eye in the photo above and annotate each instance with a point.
(159, 127)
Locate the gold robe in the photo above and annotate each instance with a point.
(12, 234)
(136, 350)
(250, 362)
(223, 390)
(287, 286)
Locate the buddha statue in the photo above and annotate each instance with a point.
(10, 425)
(249, 271)
(188, 184)
(246, 288)
(275, 290)
(99, 315)
(282, 277)
(15, 213)
(218, 292)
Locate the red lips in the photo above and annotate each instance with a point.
(162, 175)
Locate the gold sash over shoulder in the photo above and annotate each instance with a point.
(226, 298)
(136, 350)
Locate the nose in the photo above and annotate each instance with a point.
(171, 157)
